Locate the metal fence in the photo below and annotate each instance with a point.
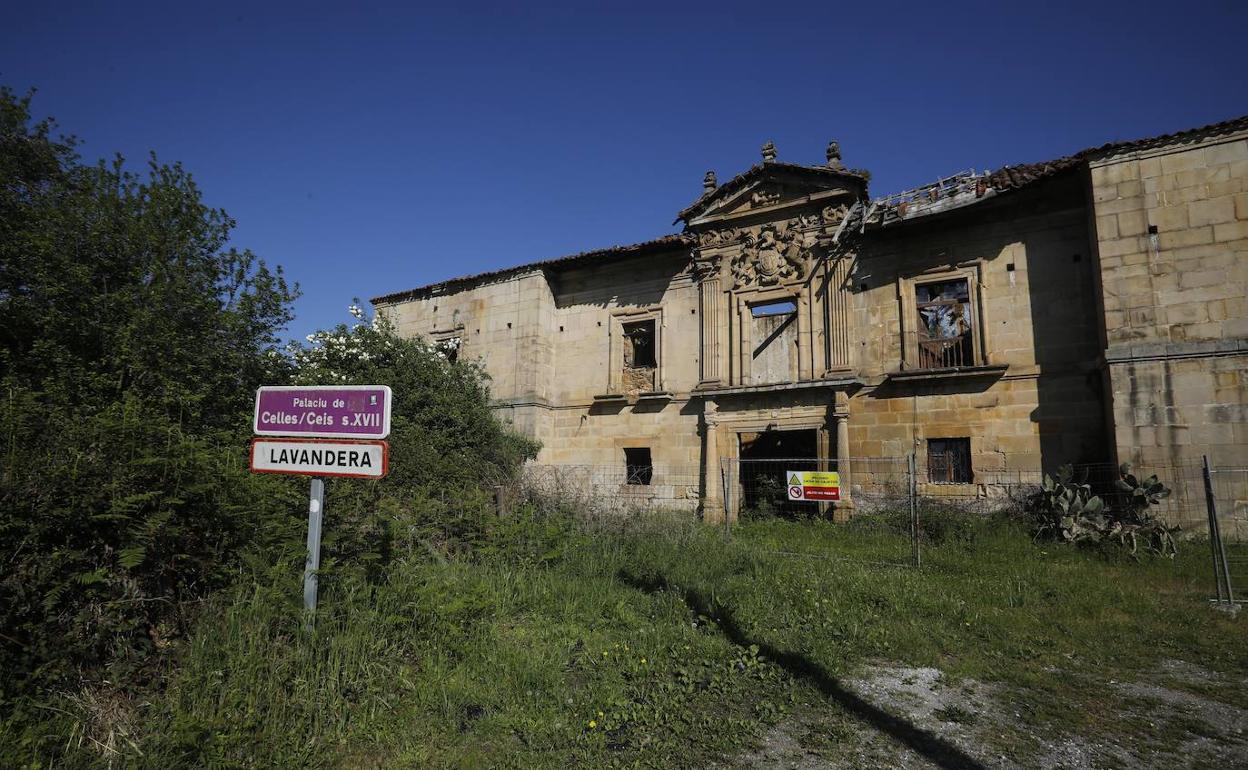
(874, 498)
(603, 491)
(903, 503)
(1226, 495)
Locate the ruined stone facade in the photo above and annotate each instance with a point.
(1089, 309)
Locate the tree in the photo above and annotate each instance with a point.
(132, 338)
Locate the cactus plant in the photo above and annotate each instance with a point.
(1064, 508)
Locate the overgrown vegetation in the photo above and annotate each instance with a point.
(663, 645)
(149, 602)
(1065, 508)
(132, 339)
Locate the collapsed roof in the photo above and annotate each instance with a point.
(955, 191)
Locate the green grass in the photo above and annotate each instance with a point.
(663, 646)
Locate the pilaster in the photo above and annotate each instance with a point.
(711, 297)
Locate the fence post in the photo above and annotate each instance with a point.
(1221, 573)
(500, 501)
(723, 480)
(913, 493)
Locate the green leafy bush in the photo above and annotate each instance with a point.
(132, 339)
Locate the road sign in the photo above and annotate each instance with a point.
(323, 411)
(320, 457)
(813, 486)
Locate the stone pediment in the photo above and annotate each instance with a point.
(772, 186)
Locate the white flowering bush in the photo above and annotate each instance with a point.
(445, 442)
(342, 354)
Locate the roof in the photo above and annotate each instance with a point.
(965, 188)
(749, 175)
(607, 255)
(953, 192)
(1191, 134)
(970, 188)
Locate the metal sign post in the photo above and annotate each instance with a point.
(318, 431)
(316, 509)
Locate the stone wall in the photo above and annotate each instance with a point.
(1108, 303)
(592, 304)
(552, 342)
(502, 323)
(1036, 316)
(1172, 234)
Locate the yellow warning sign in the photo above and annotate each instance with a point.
(814, 486)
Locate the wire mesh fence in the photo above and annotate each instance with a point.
(872, 497)
(603, 491)
(891, 507)
(1227, 506)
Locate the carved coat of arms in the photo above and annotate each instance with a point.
(771, 257)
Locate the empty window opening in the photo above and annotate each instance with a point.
(448, 348)
(639, 345)
(773, 308)
(638, 468)
(640, 356)
(945, 333)
(949, 461)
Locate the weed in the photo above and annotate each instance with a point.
(656, 644)
(955, 713)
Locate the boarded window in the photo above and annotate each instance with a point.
(774, 331)
(946, 329)
(638, 468)
(949, 460)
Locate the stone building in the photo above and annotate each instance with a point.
(1093, 308)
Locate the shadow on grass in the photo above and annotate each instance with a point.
(935, 749)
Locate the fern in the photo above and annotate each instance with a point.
(132, 557)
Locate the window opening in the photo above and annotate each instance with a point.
(945, 333)
(773, 331)
(639, 345)
(448, 348)
(639, 470)
(640, 360)
(949, 460)
(773, 308)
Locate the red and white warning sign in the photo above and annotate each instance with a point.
(813, 486)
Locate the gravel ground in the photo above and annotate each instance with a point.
(933, 721)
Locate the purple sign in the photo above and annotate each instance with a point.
(323, 411)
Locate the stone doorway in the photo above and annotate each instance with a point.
(764, 457)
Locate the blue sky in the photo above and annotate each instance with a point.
(370, 148)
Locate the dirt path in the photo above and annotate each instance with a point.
(1168, 718)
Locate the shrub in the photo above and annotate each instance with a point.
(446, 446)
(132, 339)
(1065, 508)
